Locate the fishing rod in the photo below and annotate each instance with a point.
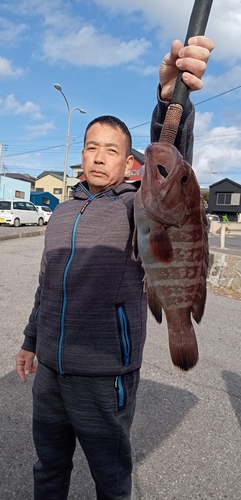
(197, 26)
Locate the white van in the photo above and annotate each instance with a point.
(15, 213)
(47, 212)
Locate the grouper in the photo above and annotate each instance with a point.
(171, 239)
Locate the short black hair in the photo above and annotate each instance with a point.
(113, 122)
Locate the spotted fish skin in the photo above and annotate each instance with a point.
(171, 239)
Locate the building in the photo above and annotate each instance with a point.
(225, 199)
(14, 189)
(50, 181)
(22, 177)
(44, 198)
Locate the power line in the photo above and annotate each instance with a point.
(201, 102)
(218, 95)
(131, 128)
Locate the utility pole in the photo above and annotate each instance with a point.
(1, 151)
(210, 177)
(2, 169)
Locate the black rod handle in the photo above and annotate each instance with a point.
(197, 25)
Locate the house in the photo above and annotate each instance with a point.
(22, 177)
(225, 198)
(44, 198)
(50, 181)
(14, 189)
(139, 160)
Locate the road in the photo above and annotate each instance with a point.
(186, 435)
(232, 244)
(9, 232)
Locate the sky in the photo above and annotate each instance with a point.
(105, 54)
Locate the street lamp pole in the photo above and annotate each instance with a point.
(70, 111)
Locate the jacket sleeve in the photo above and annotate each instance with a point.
(184, 139)
(30, 330)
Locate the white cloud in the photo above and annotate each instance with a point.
(11, 106)
(217, 150)
(10, 32)
(39, 130)
(150, 70)
(7, 70)
(88, 47)
(228, 80)
(223, 25)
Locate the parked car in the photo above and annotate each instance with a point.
(15, 213)
(46, 211)
(214, 217)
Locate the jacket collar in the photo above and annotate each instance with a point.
(81, 190)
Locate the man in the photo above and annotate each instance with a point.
(88, 324)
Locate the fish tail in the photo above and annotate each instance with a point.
(183, 348)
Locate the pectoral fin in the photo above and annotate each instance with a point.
(154, 303)
(134, 244)
(161, 245)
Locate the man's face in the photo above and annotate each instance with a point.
(104, 158)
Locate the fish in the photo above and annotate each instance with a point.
(171, 240)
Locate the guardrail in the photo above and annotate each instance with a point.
(225, 229)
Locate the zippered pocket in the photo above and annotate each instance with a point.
(36, 312)
(123, 327)
(120, 391)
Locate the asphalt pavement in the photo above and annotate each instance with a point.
(10, 232)
(186, 435)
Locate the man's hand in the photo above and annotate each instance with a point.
(191, 59)
(24, 364)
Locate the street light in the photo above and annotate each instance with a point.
(70, 111)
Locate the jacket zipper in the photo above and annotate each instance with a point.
(120, 390)
(73, 237)
(124, 335)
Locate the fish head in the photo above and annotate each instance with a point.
(169, 187)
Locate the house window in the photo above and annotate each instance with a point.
(39, 190)
(133, 172)
(228, 198)
(19, 194)
(79, 173)
(57, 191)
(46, 201)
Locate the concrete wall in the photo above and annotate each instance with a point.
(225, 271)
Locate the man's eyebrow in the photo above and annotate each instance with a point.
(106, 144)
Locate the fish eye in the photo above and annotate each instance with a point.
(184, 180)
(162, 170)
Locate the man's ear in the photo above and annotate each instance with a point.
(129, 165)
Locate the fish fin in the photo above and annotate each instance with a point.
(134, 244)
(161, 245)
(200, 300)
(154, 303)
(199, 304)
(183, 348)
(182, 339)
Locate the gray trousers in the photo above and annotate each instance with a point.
(99, 415)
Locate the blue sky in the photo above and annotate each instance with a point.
(106, 54)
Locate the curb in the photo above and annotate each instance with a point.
(23, 235)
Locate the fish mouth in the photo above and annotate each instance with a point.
(164, 173)
(161, 169)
